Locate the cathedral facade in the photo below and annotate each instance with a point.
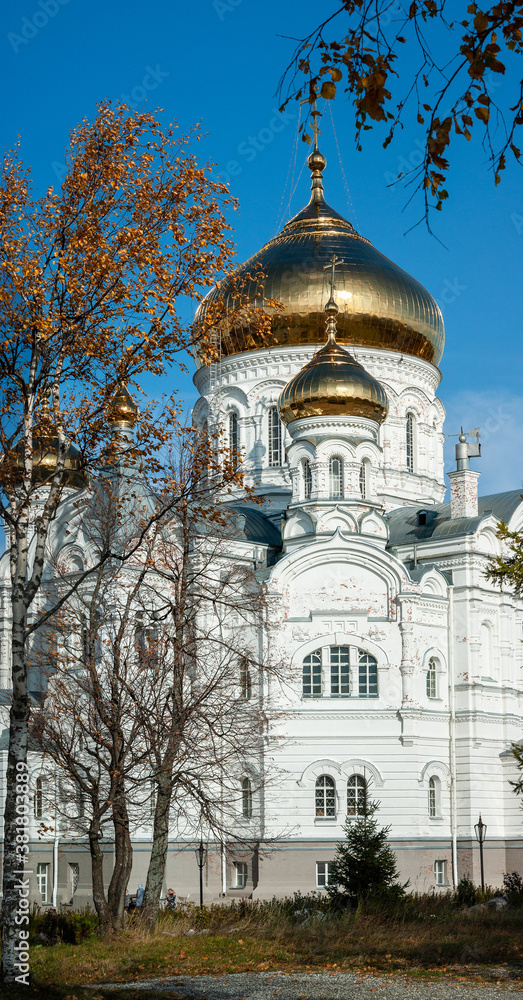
(405, 663)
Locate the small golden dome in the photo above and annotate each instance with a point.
(333, 384)
(122, 411)
(45, 450)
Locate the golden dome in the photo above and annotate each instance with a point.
(333, 383)
(45, 450)
(122, 410)
(381, 306)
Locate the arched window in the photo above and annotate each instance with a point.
(339, 664)
(432, 679)
(246, 798)
(434, 798)
(307, 479)
(367, 675)
(336, 478)
(409, 435)
(356, 796)
(40, 797)
(363, 480)
(233, 431)
(274, 436)
(245, 683)
(325, 796)
(312, 675)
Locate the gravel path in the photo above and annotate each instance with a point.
(317, 986)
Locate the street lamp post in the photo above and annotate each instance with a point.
(201, 856)
(481, 833)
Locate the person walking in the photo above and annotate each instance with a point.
(140, 894)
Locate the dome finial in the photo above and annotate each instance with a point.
(316, 161)
(331, 307)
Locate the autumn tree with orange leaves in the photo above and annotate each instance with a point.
(429, 62)
(92, 278)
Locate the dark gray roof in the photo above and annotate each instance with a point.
(257, 527)
(405, 530)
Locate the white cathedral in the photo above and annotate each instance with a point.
(405, 662)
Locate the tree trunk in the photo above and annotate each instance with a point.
(123, 860)
(17, 808)
(158, 859)
(100, 902)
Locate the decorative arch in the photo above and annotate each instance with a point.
(357, 765)
(434, 583)
(434, 768)
(313, 771)
(298, 525)
(340, 639)
(337, 520)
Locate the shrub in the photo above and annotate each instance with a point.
(466, 893)
(70, 928)
(513, 888)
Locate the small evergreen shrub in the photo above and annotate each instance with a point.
(466, 893)
(513, 888)
(71, 927)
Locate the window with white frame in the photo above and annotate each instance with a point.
(356, 796)
(240, 874)
(336, 487)
(434, 803)
(307, 479)
(324, 875)
(274, 436)
(312, 675)
(339, 672)
(233, 431)
(367, 675)
(246, 798)
(432, 678)
(325, 797)
(364, 478)
(42, 880)
(440, 872)
(74, 878)
(245, 683)
(40, 800)
(410, 432)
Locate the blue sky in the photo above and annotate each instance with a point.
(218, 62)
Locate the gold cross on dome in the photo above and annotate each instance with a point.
(332, 267)
(315, 114)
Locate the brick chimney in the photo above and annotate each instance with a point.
(463, 481)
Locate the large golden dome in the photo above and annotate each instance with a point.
(381, 306)
(333, 383)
